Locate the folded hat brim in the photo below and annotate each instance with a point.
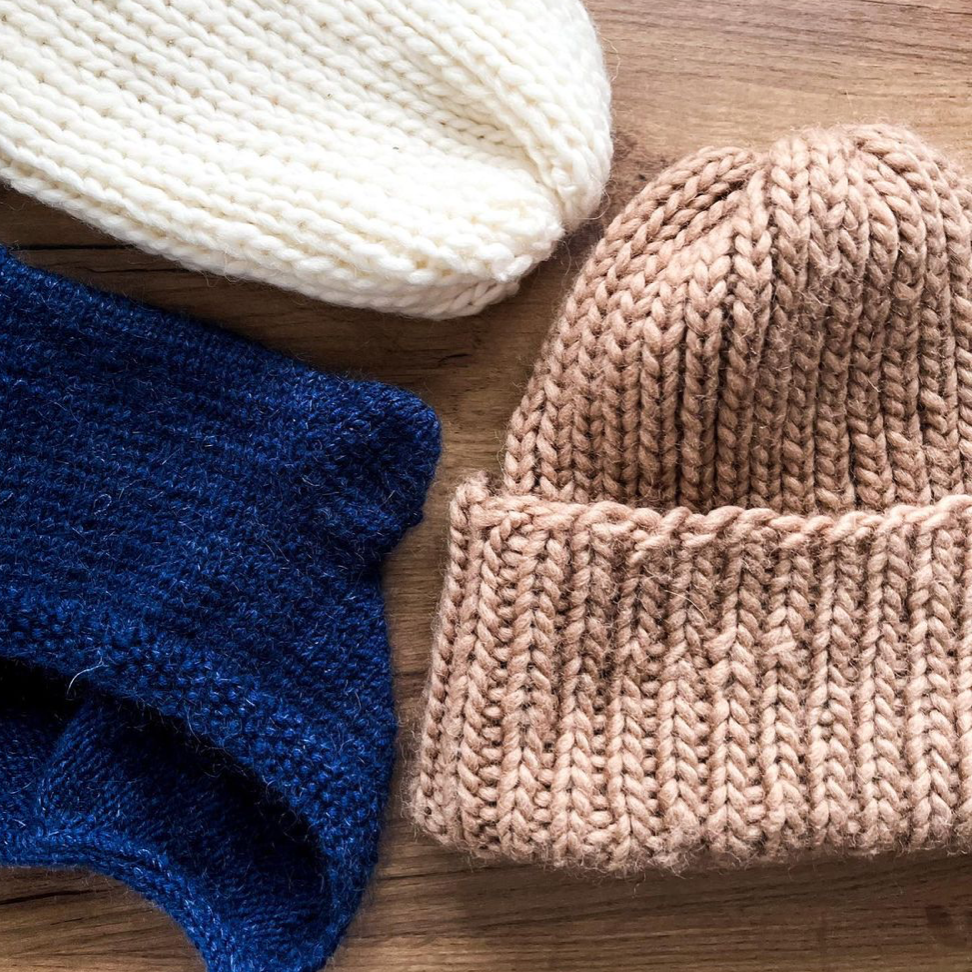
(92, 782)
(623, 689)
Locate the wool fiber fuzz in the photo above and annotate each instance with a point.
(413, 156)
(718, 609)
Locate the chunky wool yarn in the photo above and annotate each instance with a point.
(720, 607)
(193, 658)
(415, 156)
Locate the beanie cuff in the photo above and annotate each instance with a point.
(624, 689)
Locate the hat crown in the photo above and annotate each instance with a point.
(413, 157)
(789, 329)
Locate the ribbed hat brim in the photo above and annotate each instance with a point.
(623, 689)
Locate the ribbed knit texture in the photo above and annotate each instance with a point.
(193, 657)
(720, 608)
(416, 156)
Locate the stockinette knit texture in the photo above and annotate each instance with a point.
(416, 156)
(193, 656)
(719, 609)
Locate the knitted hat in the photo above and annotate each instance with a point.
(193, 660)
(720, 607)
(416, 156)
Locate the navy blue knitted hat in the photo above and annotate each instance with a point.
(195, 690)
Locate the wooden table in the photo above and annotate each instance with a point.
(686, 73)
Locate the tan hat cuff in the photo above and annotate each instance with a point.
(621, 688)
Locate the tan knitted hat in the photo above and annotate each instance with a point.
(720, 607)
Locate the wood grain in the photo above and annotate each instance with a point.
(686, 73)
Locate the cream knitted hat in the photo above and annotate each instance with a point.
(416, 156)
(720, 607)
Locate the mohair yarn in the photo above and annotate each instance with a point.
(719, 609)
(415, 156)
(193, 656)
